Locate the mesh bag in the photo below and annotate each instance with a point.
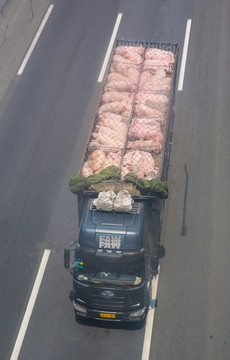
(123, 76)
(126, 51)
(141, 163)
(129, 128)
(153, 100)
(156, 81)
(146, 134)
(123, 108)
(114, 95)
(159, 59)
(97, 160)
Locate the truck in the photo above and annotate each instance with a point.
(121, 187)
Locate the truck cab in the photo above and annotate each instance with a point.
(114, 260)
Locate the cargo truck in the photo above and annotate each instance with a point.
(122, 187)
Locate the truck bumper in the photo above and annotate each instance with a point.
(137, 315)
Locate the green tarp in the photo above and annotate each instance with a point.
(78, 181)
(153, 187)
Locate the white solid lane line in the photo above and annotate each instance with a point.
(184, 55)
(30, 306)
(150, 319)
(32, 46)
(102, 73)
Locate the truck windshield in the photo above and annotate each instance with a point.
(104, 273)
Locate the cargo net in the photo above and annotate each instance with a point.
(128, 130)
(99, 159)
(141, 163)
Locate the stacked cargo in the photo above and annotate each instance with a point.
(109, 136)
(130, 128)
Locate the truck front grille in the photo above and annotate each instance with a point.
(114, 304)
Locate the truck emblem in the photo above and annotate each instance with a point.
(109, 242)
(107, 294)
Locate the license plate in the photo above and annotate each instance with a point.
(107, 316)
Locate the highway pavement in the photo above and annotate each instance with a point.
(193, 292)
(45, 117)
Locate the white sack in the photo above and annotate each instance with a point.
(123, 201)
(105, 200)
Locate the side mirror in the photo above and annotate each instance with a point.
(66, 258)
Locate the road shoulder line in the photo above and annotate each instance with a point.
(114, 34)
(34, 42)
(184, 55)
(150, 320)
(30, 305)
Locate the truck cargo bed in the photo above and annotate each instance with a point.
(134, 120)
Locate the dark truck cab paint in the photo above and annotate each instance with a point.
(114, 261)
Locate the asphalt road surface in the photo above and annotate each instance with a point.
(45, 117)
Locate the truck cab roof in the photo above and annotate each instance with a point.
(112, 231)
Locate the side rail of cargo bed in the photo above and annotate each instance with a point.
(132, 127)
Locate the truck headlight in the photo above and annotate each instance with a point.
(137, 313)
(79, 308)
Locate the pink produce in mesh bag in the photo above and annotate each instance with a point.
(149, 121)
(108, 137)
(152, 74)
(86, 169)
(157, 64)
(142, 122)
(131, 71)
(122, 50)
(157, 86)
(119, 107)
(114, 96)
(107, 131)
(105, 142)
(156, 101)
(129, 57)
(130, 77)
(165, 56)
(156, 81)
(146, 132)
(117, 77)
(114, 158)
(113, 117)
(120, 85)
(139, 162)
(148, 145)
(120, 127)
(143, 110)
(160, 59)
(97, 160)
